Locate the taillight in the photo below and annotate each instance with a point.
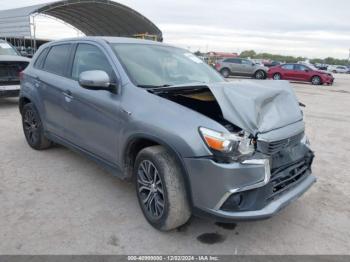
(217, 66)
(21, 75)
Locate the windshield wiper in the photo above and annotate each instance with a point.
(154, 86)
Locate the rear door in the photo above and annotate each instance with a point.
(235, 65)
(247, 67)
(288, 72)
(52, 81)
(301, 72)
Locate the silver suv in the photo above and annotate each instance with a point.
(159, 116)
(241, 67)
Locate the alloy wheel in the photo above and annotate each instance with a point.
(31, 126)
(277, 77)
(150, 189)
(259, 75)
(316, 80)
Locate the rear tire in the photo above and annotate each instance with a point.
(160, 189)
(260, 74)
(316, 80)
(225, 72)
(33, 128)
(277, 76)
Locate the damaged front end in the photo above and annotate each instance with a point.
(249, 112)
(262, 162)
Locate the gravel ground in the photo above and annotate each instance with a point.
(59, 202)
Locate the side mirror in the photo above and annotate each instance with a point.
(307, 70)
(95, 80)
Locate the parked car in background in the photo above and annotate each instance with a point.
(300, 72)
(272, 63)
(338, 69)
(321, 66)
(11, 64)
(159, 116)
(240, 67)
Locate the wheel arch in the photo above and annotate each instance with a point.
(23, 101)
(138, 142)
(262, 70)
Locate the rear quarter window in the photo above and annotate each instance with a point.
(56, 61)
(40, 59)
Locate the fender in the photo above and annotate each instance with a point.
(170, 148)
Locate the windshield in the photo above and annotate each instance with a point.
(155, 65)
(6, 49)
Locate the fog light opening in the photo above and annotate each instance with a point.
(233, 202)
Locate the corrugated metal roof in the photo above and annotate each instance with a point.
(92, 17)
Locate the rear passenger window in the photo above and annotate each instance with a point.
(56, 60)
(233, 60)
(288, 67)
(89, 57)
(40, 60)
(300, 68)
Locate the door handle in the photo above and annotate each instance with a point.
(36, 81)
(68, 94)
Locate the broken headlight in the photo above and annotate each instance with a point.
(232, 145)
(305, 140)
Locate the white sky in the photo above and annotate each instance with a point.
(311, 28)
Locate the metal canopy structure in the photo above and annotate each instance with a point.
(91, 17)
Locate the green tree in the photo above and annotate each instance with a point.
(291, 59)
(248, 53)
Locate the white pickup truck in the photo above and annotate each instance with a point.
(11, 64)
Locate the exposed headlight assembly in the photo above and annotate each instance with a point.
(305, 140)
(229, 145)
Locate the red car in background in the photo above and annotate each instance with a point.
(300, 72)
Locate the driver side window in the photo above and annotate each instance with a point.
(89, 57)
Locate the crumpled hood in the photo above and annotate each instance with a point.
(257, 106)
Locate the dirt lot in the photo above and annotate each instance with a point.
(58, 202)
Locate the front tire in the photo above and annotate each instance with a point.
(316, 80)
(33, 128)
(160, 189)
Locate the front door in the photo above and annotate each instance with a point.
(93, 120)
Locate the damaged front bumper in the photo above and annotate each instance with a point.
(254, 189)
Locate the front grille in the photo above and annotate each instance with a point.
(271, 148)
(282, 180)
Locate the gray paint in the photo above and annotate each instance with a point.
(258, 107)
(102, 123)
(242, 69)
